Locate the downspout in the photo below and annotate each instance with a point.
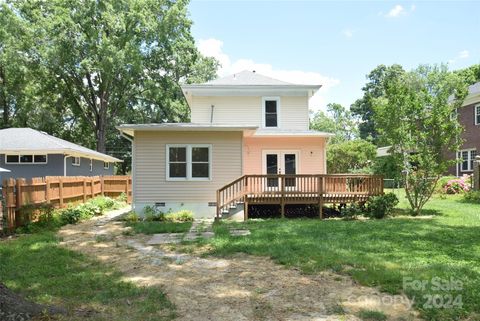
(211, 114)
(65, 164)
(130, 139)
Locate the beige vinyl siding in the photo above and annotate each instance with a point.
(247, 110)
(150, 182)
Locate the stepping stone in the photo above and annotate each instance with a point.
(239, 232)
(165, 238)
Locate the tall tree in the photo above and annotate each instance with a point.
(415, 118)
(378, 79)
(337, 120)
(113, 58)
(470, 74)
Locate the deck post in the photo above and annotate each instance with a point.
(245, 210)
(282, 199)
(217, 215)
(320, 196)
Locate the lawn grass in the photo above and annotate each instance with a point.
(37, 267)
(380, 253)
(160, 227)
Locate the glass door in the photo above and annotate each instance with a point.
(280, 162)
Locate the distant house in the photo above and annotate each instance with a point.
(469, 118)
(30, 153)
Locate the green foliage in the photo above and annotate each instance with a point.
(37, 267)
(132, 217)
(352, 211)
(180, 216)
(472, 197)
(363, 108)
(122, 198)
(470, 74)
(414, 116)
(152, 213)
(382, 205)
(338, 121)
(95, 65)
(350, 156)
(387, 166)
(371, 315)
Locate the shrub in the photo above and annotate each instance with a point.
(439, 188)
(132, 217)
(351, 211)
(472, 196)
(122, 198)
(104, 203)
(457, 185)
(180, 216)
(70, 215)
(382, 205)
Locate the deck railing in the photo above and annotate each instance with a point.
(297, 189)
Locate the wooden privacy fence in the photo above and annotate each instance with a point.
(59, 191)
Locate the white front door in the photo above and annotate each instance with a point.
(280, 162)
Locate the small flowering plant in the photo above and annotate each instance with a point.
(458, 185)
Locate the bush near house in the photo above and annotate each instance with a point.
(458, 185)
(50, 218)
(156, 221)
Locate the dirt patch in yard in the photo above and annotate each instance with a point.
(238, 288)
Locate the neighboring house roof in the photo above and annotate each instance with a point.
(473, 95)
(129, 129)
(383, 151)
(28, 140)
(247, 83)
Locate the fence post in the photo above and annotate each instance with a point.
(47, 190)
(60, 191)
(476, 173)
(84, 189)
(92, 182)
(102, 185)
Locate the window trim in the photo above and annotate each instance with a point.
(91, 165)
(188, 162)
(459, 155)
(33, 159)
(106, 167)
(476, 114)
(264, 100)
(74, 162)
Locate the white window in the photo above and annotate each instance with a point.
(467, 158)
(106, 165)
(271, 112)
(189, 162)
(26, 159)
(477, 114)
(91, 165)
(76, 161)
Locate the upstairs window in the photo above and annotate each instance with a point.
(106, 165)
(188, 162)
(467, 158)
(477, 114)
(270, 112)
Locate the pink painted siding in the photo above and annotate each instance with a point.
(311, 153)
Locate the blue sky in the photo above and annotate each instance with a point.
(335, 43)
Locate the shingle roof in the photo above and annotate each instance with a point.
(246, 78)
(474, 89)
(31, 140)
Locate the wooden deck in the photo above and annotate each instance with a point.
(297, 189)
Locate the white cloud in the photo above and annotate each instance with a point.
(413, 7)
(347, 33)
(396, 11)
(214, 48)
(464, 54)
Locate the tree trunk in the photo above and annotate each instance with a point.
(101, 125)
(3, 99)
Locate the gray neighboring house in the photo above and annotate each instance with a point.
(28, 153)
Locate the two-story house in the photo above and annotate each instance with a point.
(249, 135)
(469, 118)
